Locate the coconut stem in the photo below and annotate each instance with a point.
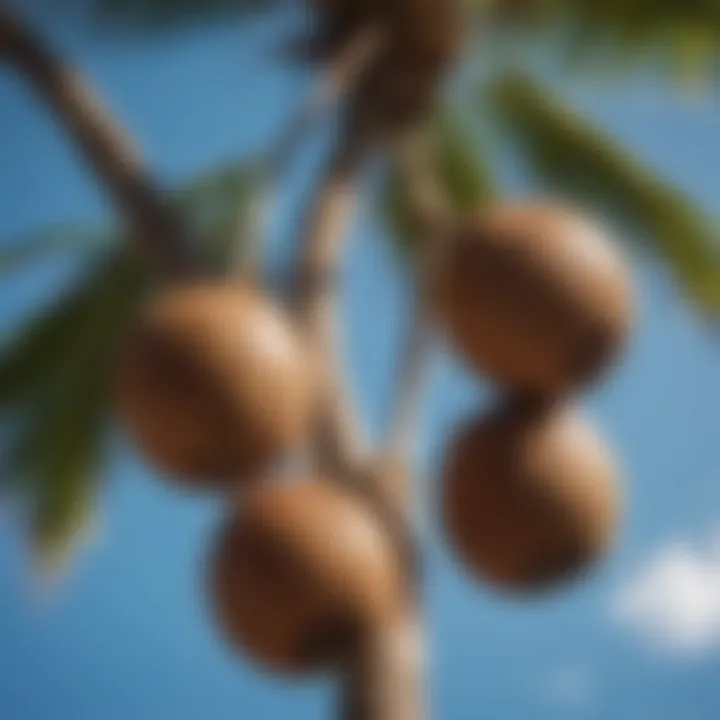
(340, 438)
(332, 84)
(432, 217)
(431, 211)
(158, 230)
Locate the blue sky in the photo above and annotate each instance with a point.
(127, 635)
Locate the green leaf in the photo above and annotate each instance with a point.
(31, 359)
(460, 169)
(664, 34)
(58, 450)
(69, 448)
(567, 153)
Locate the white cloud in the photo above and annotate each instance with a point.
(674, 601)
(571, 687)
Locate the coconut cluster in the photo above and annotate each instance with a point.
(216, 388)
(537, 298)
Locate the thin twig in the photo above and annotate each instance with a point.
(333, 83)
(413, 369)
(158, 230)
(340, 437)
(432, 217)
(429, 207)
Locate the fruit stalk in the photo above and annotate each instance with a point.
(159, 231)
(432, 218)
(428, 205)
(332, 84)
(339, 438)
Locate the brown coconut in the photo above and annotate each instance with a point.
(299, 572)
(399, 88)
(533, 295)
(214, 383)
(420, 41)
(530, 497)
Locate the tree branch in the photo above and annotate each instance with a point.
(158, 229)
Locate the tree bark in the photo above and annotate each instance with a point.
(158, 230)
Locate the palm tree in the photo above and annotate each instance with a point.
(500, 104)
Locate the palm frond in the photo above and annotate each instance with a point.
(568, 153)
(58, 448)
(31, 360)
(668, 34)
